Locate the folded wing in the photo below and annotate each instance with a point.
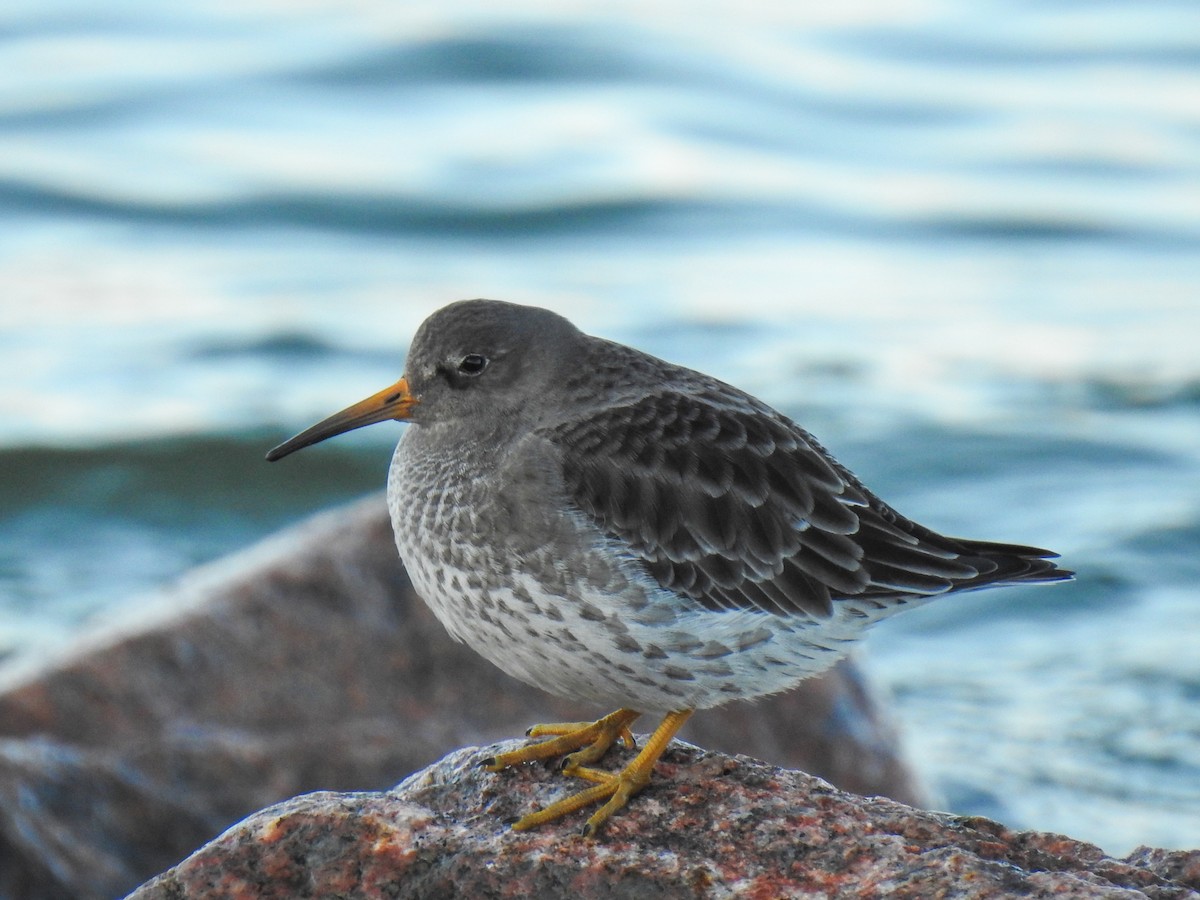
(737, 507)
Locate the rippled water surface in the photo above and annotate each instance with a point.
(959, 242)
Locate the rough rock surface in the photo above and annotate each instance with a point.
(709, 826)
(304, 664)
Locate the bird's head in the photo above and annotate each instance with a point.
(469, 359)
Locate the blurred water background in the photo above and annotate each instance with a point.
(958, 241)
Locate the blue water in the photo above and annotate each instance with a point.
(959, 242)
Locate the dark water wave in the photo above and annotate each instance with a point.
(163, 478)
(384, 215)
(640, 59)
(85, 529)
(279, 348)
(532, 55)
(394, 216)
(1130, 394)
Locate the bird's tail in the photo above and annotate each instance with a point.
(1008, 564)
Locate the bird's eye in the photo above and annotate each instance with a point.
(472, 364)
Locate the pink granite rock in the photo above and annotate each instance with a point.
(709, 826)
(306, 663)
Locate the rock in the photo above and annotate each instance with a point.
(708, 826)
(306, 663)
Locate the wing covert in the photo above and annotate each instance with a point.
(734, 505)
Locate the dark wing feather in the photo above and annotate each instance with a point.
(737, 507)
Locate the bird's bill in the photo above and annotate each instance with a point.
(395, 402)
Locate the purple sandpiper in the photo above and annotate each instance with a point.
(613, 528)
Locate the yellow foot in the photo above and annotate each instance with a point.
(614, 789)
(623, 734)
(593, 737)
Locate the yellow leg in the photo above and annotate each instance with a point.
(594, 737)
(615, 789)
